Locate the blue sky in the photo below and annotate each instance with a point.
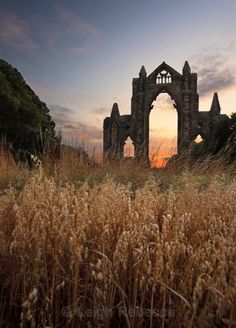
(81, 56)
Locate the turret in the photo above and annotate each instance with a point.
(115, 111)
(215, 106)
(186, 69)
(143, 73)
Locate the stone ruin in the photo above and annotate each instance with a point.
(182, 88)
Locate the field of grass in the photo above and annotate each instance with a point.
(124, 246)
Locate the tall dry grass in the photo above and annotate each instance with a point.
(118, 246)
(10, 171)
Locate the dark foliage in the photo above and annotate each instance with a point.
(198, 150)
(226, 138)
(24, 120)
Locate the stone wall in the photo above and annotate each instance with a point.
(182, 88)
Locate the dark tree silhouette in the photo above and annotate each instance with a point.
(25, 122)
(226, 138)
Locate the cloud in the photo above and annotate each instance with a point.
(15, 32)
(70, 126)
(164, 102)
(62, 116)
(101, 111)
(69, 34)
(215, 72)
(60, 110)
(65, 33)
(83, 34)
(72, 129)
(89, 136)
(74, 23)
(42, 90)
(87, 47)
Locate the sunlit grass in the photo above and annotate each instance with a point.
(85, 244)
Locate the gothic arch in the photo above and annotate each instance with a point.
(124, 138)
(163, 89)
(125, 141)
(182, 88)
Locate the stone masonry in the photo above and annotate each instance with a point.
(182, 88)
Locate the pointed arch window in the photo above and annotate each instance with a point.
(163, 77)
(129, 148)
(198, 139)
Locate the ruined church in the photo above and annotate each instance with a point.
(182, 88)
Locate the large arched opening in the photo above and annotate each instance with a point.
(163, 130)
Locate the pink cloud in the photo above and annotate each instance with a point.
(64, 27)
(75, 24)
(15, 32)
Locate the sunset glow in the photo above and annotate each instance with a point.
(80, 59)
(161, 154)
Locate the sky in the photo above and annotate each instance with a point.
(80, 56)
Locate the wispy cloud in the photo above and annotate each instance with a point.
(67, 26)
(101, 111)
(15, 32)
(65, 33)
(69, 124)
(42, 90)
(60, 110)
(74, 23)
(214, 69)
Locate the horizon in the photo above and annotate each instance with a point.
(80, 58)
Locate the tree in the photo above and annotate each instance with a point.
(24, 120)
(226, 137)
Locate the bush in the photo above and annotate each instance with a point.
(24, 120)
